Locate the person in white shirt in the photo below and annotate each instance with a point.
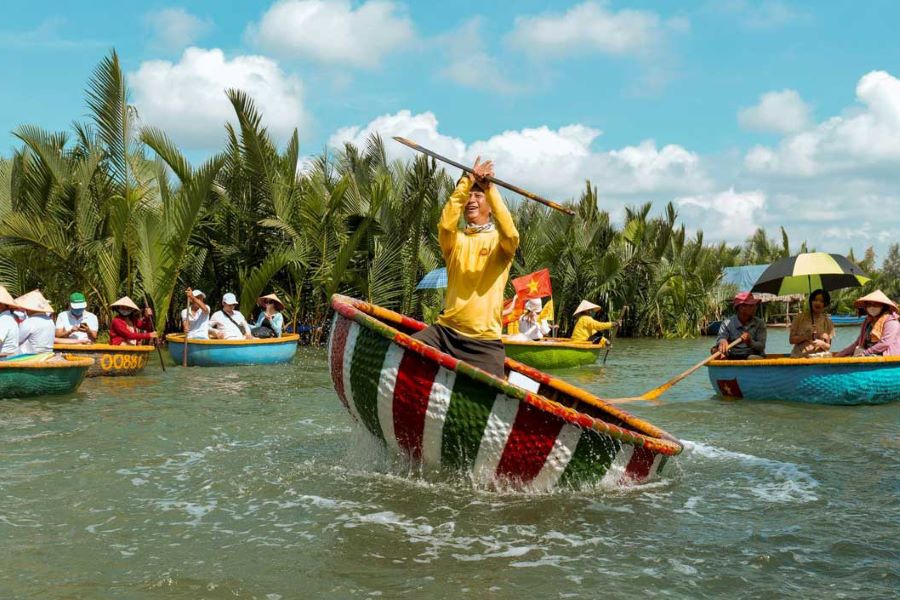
(36, 332)
(228, 323)
(196, 326)
(529, 325)
(77, 325)
(9, 327)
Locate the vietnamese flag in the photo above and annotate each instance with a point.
(533, 285)
(513, 309)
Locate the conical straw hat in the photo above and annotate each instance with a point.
(585, 306)
(876, 296)
(6, 298)
(125, 302)
(259, 301)
(34, 301)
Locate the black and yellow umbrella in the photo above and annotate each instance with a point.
(810, 271)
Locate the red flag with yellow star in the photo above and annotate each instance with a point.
(533, 285)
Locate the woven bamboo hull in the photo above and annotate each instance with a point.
(842, 381)
(110, 361)
(231, 353)
(553, 353)
(52, 378)
(441, 412)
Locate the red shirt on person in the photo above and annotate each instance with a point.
(123, 331)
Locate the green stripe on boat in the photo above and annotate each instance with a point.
(593, 456)
(470, 406)
(368, 356)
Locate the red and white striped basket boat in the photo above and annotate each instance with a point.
(443, 412)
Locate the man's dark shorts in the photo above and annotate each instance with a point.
(487, 355)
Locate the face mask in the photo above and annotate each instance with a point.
(874, 310)
(125, 312)
(76, 312)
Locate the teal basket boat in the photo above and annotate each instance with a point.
(841, 381)
(230, 353)
(553, 353)
(28, 378)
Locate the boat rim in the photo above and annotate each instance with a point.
(784, 360)
(70, 362)
(100, 348)
(643, 434)
(554, 343)
(178, 338)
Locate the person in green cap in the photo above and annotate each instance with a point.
(77, 325)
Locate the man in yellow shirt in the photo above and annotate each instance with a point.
(478, 260)
(587, 327)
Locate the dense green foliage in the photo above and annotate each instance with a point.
(113, 209)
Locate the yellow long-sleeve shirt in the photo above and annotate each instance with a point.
(588, 326)
(477, 266)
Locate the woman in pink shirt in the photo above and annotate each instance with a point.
(880, 333)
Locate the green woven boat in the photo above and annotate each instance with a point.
(553, 353)
(24, 379)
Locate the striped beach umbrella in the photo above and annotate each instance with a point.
(803, 273)
(434, 280)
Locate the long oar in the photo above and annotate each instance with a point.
(499, 182)
(185, 325)
(658, 391)
(158, 349)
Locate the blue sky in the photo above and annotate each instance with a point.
(742, 113)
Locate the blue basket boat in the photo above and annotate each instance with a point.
(847, 320)
(227, 353)
(842, 381)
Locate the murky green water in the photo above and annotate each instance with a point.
(251, 483)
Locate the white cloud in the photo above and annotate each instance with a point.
(175, 28)
(468, 62)
(334, 32)
(776, 112)
(592, 27)
(555, 162)
(864, 138)
(187, 99)
(728, 215)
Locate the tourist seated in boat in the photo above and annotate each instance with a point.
(9, 327)
(478, 259)
(37, 331)
(531, 327)
(229, 323)
(195, 322)
(128, 326)
(744, 324)
(880, 332)
(270, 322)
(587, 328)
(77, 325)
(812, 331)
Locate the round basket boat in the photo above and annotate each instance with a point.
(109, 360)
(228, 353)
(553, 353)
(847, 320)
(863, 380)
(27, 378)
(533, 431)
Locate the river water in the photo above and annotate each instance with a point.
(251, 483)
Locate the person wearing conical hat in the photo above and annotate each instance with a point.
(128, 327)
(36, 332)
(9, 327)
(880, 332)
(77, 325)
(478, 259)
(587, 328)
(270, 321)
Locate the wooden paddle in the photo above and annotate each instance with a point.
(658, 391)
(185, 325)
(153, 328)
(499, 182)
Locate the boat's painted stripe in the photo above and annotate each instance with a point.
(530, 442)
(639, 468)
(493, 440)
(387, 382)
(470, 405)
(368, 357)
(615, 475)
(415, 382)
(563, 449)
(338, 341)
(592, 458)
(436, 416)
(347, 368)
